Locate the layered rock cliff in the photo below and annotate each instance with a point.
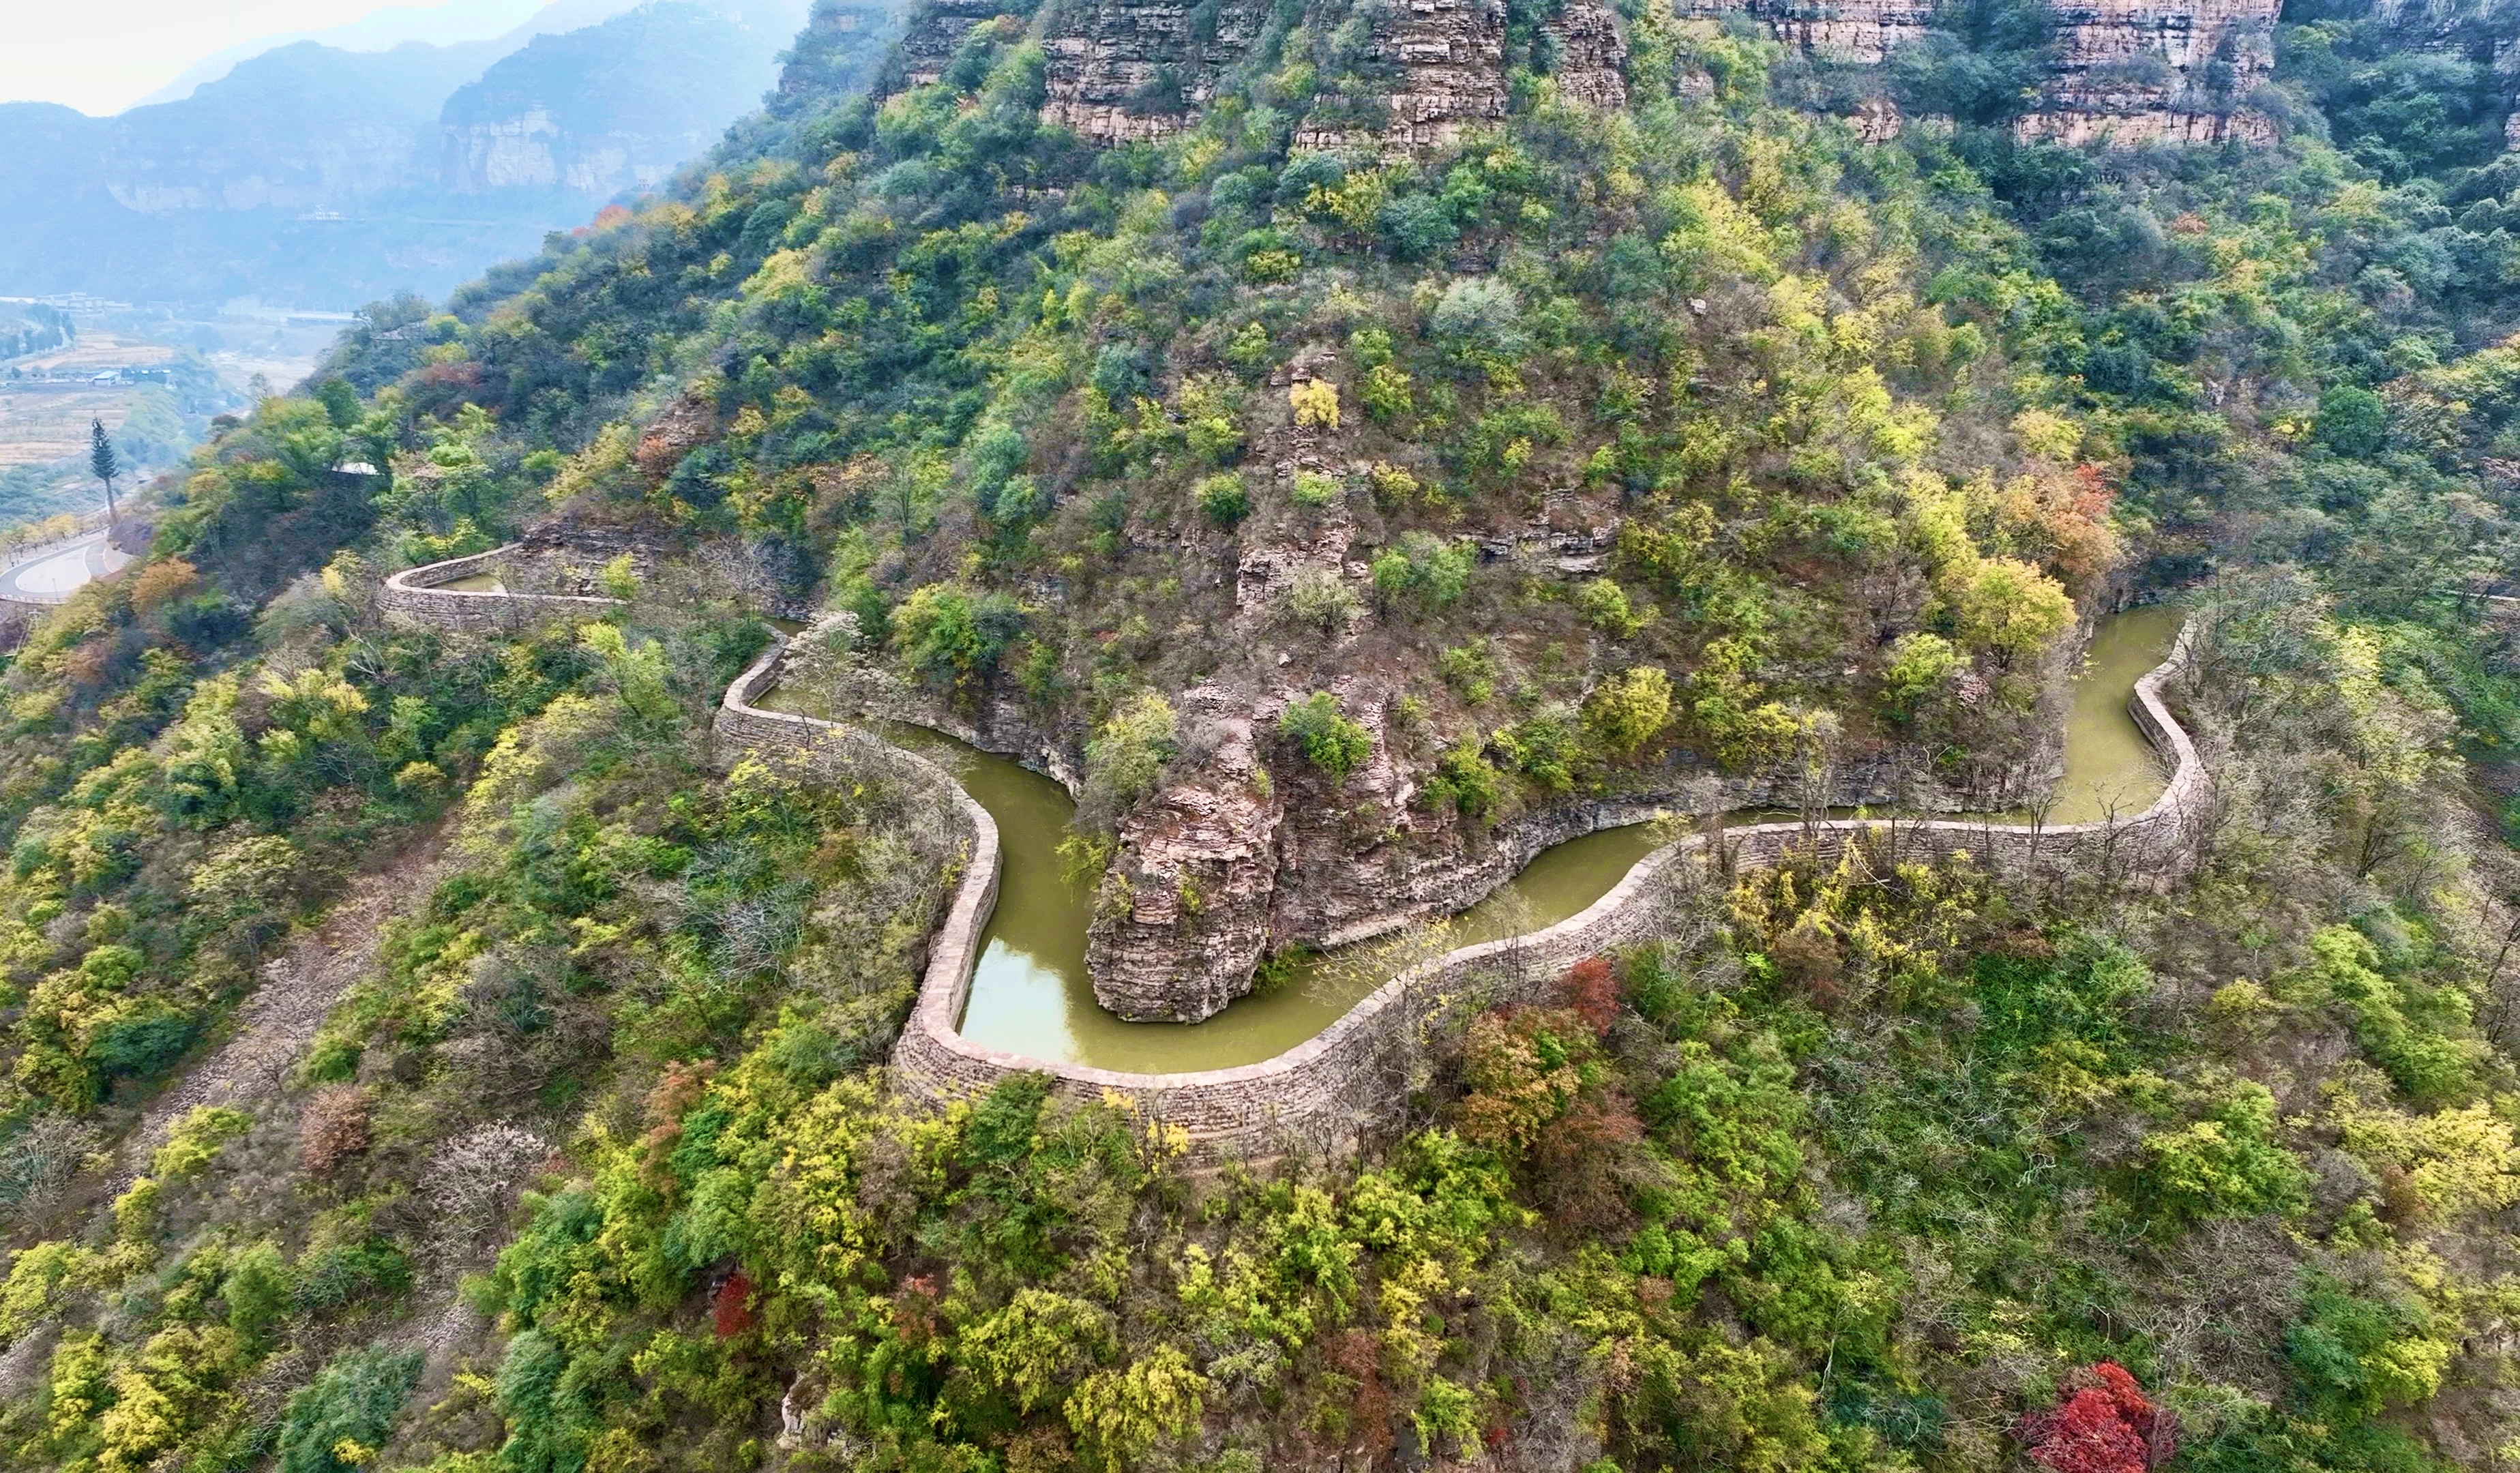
(2128, 72)
(1127, 70)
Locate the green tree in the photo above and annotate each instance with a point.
(2006, 608)
(1223, 497)
(2352, 421)
(101, 460)
(1122, 1414)
(1921, 662)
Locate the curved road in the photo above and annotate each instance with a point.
(52, 576)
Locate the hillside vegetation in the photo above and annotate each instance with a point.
(1207, 465)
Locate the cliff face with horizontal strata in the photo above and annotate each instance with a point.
(1125, 70)
(2130, 72)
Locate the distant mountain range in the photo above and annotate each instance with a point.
(320, 177)
(443, 22)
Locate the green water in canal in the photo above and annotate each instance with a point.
(1030, 995)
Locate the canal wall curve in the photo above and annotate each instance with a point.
(415, 595)
(1322, 1094)
(1326, 1093)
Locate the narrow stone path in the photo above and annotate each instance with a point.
(299, 986)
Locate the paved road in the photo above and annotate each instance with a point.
(50, 577)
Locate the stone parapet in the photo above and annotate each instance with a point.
(415, 595)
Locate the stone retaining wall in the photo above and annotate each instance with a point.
(415, 595)
(1322, 1093)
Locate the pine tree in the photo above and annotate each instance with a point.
(102, 460)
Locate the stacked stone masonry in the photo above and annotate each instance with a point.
(1325, 1093)
(417, 594)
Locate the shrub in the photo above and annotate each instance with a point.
(142, 1042)
(1547, 747)
(1392, 486)
(1037, 1343)
(257, 1291)
(2102, 1425)
(336, 1423)
(333, 1275)
(2353, 1356)
(951, 633)
(2227, 1165)
(1223, 497)
(551, 1414)
(1121, 372)
(1416, 226)
(334, 1128)
(39, 1160)
(1629, 709)
(1386, 393)
(731, 1307)
(1330, 740)
(36, 1278)
(1471, 670)
(1320, 597)
(1590, 991)
(1522, 1068)
(195, 1141)
(1121, 1414)
(470, 1176)
(2429, 1065)
(163, 582)
(1315, 402)
(1248, 348)
(1315, 490)
(1132, 748)
(1424, 568)
(1920, 664)
(1479, 315)
(1604, 605)
(1464, 777)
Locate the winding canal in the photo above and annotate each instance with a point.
(1030, 995)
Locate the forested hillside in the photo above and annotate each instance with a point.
(426, 1049)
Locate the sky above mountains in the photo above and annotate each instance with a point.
(107, 54)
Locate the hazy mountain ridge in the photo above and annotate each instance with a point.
(324, 177)
(589, 110)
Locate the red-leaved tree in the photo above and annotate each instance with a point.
(731, 1307)
(1591, 988)
(2102, 1424)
